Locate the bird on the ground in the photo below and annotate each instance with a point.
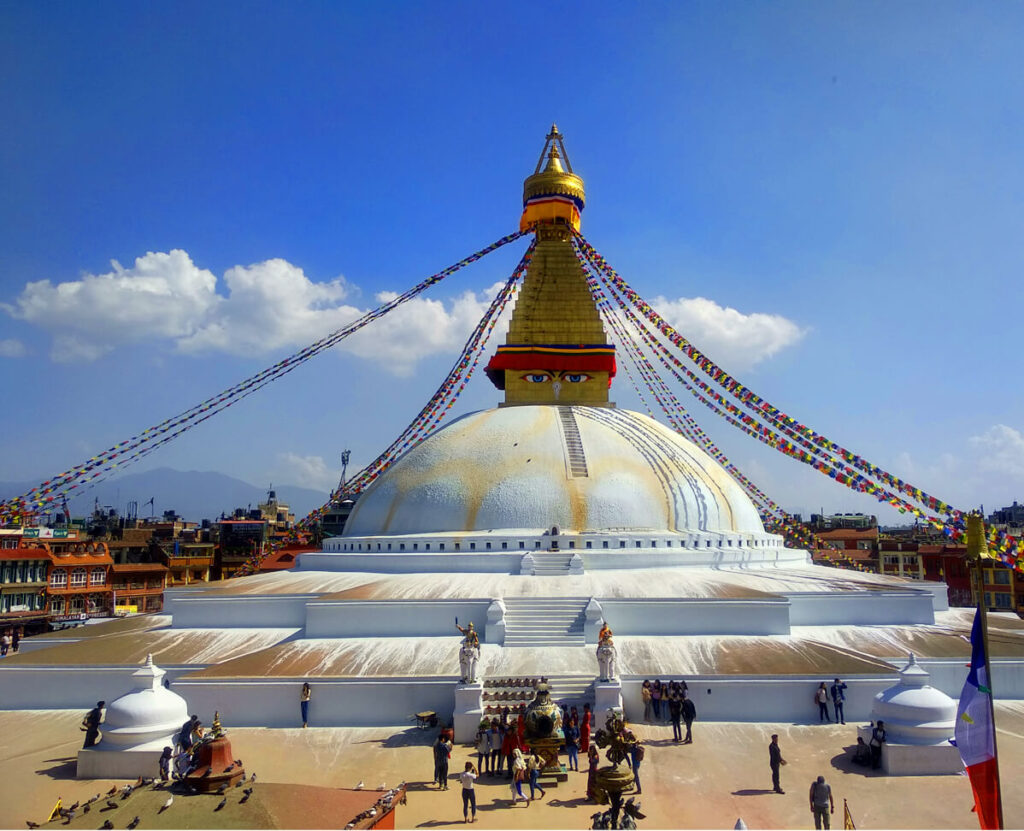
(383, 786)
(244, 799)
(247, 791)
(209, 771)
(158, 786)
(70, 815)
(112, 791)
(31, 824)
(93, 799)
(148, 780)
(221, 804)
(252, 779)
(131, 826)
(238, 762)
(359, 787)
(240, 782)
(111, 804)
(166, 805)
(107, 825)
(221, 789)
(126, 791)
(86, 808)
(72, 807)
(229, 768)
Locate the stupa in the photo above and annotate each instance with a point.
(539, 521)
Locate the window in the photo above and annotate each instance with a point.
(654, 544)
(590, 544)
(604, 544)
(522, 544)
(537, 544)
(488, 546)
(1001, 577)
(56, 605)
(668, 544)
(415, 546)
(1004, 600)
(401, 546)
(622, 543)
(472, 546)
(863, 545)
(98, 577)
(59, 577)
(440, 546)
(76, 604)
(504, 546)
(572, 543)
(426, 547)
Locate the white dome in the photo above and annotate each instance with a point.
(150, 713)
(913, 711)
(522, 468)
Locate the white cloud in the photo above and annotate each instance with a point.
(1000, 449)
(12, 348)
(731, 338)
(268, 307)
(306, 471)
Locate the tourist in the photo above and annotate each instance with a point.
(585, 726)
(645, 696)
(165, 763)
(877, 740)
(304, 702)
(675, 713)
(572, 745)
(821, 696)
(508, 748)
(468, 778)
(775, 760)
(442, 753)
(861, 753)
(518, 765)
(664, 700)
(535, 765)
(5, 643)
(822, 803)
(19, 633)
(190, 731)
(494, 738)
(483, 749)
(593, 760)
(91, 724)
(656, 699)
(838, 691)
(689, 712)
(636, 756)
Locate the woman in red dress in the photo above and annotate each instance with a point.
(585, 730)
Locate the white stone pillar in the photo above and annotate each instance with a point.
(592, 624)
(607, 697)
(494, 631)
(468, 710)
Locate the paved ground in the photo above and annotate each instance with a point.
(723, 776)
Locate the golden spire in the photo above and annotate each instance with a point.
(556, 351)
(977, 546)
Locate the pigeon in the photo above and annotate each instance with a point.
(247, 791)
(112, 791)
(70, 815)
(166, 805)
(31, 824)
(148, 780)
(229, 768)
(221, 804)
(72, 807)
(359, 787)
(209, 771)
(111, 804)
(93, 799)
(237, 763)
(107, 825)
(131, 826)
(240, 782)
(221, 789)
(252, 779)
(244, 799)
(85, 808)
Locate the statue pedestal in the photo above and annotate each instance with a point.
(607, 697)
(468, 710)
(214, 756)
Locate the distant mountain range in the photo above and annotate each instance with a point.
(193, 494)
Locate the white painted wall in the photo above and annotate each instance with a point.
(892, 608)
(234, 611)
(696, 617)
(70, 687)
(394, 618)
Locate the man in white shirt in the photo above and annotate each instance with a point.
(468, 779)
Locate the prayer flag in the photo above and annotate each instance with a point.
(976, 733)
(848, 818)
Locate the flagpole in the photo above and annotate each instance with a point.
(977, 549)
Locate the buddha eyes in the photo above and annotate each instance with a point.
(545, 377)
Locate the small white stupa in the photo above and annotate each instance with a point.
(137, 727)
(919, 721)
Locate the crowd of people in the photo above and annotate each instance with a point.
(669, 701)
(10, 641)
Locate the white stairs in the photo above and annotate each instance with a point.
(545, 621)
(572, 690)
(551, 563)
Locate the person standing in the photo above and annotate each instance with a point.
(508, 748)
(5, 643)
(636, 756)
(593, 760)
(185, 737)
(483, 749)
(675, 712)
(518, 766)
(822, 803)
(468, 780)
(572, 745)
(442, 753)
(91, 724)
(838, 697)
(689, 713)
(645, 695)
(165, 764)
(656, 699)
(585, 730)
(775, 761)
(19, 633)
(821, 696)
(304, 702)
(494, 740)
(877, 740)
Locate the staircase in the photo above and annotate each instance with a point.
(573, 444)
(544, 621)
(551, 563)
(572, 690)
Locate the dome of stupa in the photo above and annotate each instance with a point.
(583, 469)
(149, 713)
(913, 711)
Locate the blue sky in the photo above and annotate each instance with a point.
(846, 177)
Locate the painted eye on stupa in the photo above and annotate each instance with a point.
(575, 377)
(537, 377)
